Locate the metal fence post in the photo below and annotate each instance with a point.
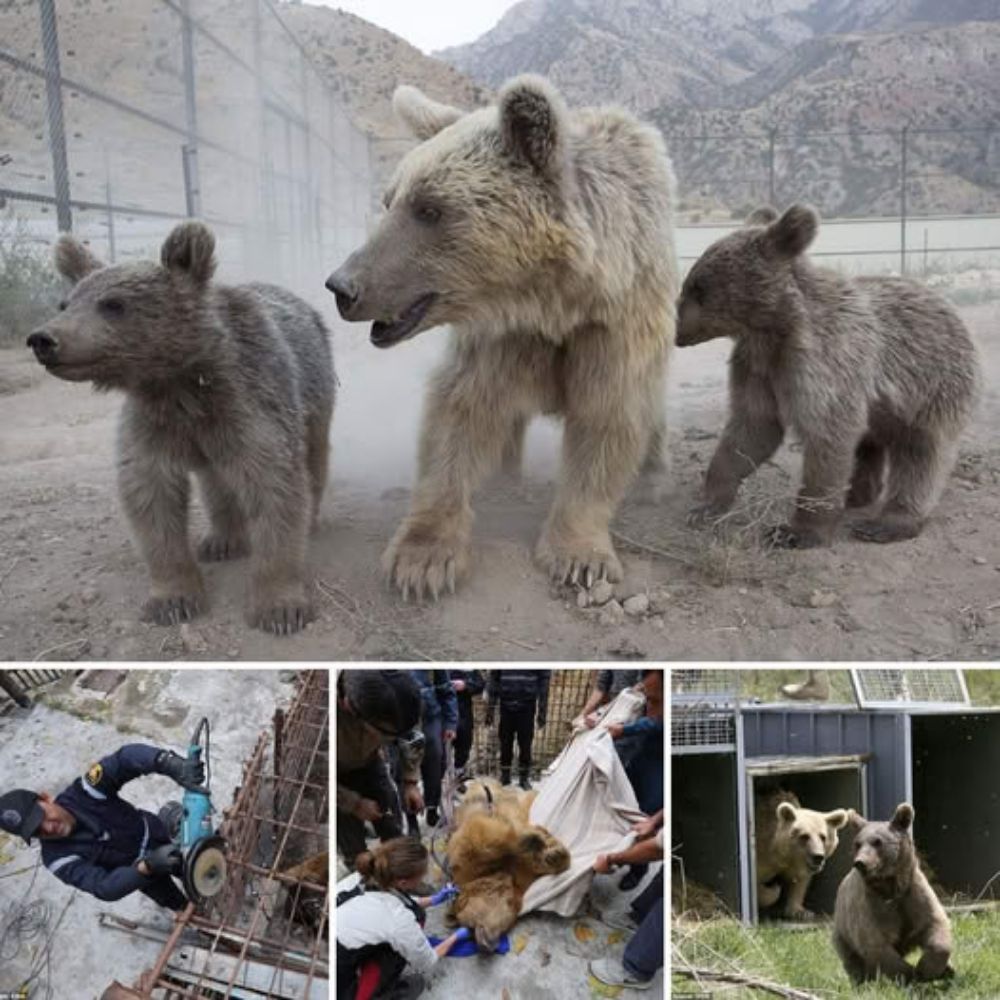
(189, 152)
(57, 127)
(770, 166)
(902, 198)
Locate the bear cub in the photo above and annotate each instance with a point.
(235, 384)
(886, 908)
(876, 375)
(793, 845)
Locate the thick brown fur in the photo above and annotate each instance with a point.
(887, 909)
(877, 376)
(793, 845)
(544, 237)
(495, 854)
(234, 384)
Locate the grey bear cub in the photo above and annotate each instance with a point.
(235, 384)
(886, 908)
(877, 376)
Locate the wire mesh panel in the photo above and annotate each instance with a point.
(703, 710)
(266, 934)
(895, 688)
(208, 108)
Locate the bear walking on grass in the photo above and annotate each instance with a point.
(235, 384)
(793, 845)
(887, 909)
(544, 237)
(877, 376)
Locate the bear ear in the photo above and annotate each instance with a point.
(422, 116)
(837, 819)
(855, 820)
(533, 122)
(73, 260)
(794, 231)
(190, 249)
(762, 216)
(786, 812)
(902, 818)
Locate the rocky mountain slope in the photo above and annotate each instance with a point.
(736, 70)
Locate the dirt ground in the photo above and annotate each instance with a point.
(71, 583)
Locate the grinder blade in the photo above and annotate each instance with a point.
(205, 869)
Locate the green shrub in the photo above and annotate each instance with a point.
(30, 289)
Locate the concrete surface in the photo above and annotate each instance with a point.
(49, 745)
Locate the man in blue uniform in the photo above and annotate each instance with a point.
(98, 842)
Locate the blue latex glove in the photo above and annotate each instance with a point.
(466, 946)
(443, 894)
(463, 934)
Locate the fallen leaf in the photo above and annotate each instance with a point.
(615, 937)
(584, 933)
(520, 943)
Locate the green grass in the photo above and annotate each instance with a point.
(806, 960)
(30, 290)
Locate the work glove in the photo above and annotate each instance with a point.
(443, 894)
(187, 773)
(165, 860)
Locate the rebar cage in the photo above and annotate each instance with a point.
(266, 934)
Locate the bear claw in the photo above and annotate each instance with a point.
(172, 610)
(420, 568)
(284, 618)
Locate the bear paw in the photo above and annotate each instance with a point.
(704, 515)
(579, 562)
(218, 548)
(799, 913)
(883, 532)
(784, 536)
(173, 609)
(282, 614)
(425, 564)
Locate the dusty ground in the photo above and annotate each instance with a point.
(71, 583)
(49, 745)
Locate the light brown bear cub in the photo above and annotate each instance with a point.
(877, 376)
(544, 237)
(887, 909)
(793, 845)
(235, 384)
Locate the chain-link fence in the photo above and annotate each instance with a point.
(119, 120)
(909, 200)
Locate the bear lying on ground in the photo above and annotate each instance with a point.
(495, 854)
(877, 376)
(886, 908)
(235, 384)
(544, 237)
(793, 845)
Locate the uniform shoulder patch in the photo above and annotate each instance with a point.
(94, 774)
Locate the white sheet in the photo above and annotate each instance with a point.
(585, 800)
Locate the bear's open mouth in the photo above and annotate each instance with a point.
(385, 334)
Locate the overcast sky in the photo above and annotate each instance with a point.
(428, 24)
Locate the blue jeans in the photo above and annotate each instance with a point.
(644, 953)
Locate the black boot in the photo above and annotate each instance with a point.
(525, 783)
(504, 775)
(432, 816)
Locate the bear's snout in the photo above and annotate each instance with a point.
(860, 867)
(816, 861)
(45, 346)
(346, 292)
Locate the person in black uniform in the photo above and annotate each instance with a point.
(467, 684)
(98, 842)
(523, 697)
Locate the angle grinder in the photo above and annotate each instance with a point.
(203, 850)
